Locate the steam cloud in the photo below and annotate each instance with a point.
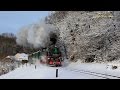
(35, 35)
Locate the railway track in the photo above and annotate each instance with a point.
(102, 75)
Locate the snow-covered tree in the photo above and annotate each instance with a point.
(90, 36)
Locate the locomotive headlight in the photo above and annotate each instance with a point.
(48, 58)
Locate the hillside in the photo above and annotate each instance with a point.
(91, 36)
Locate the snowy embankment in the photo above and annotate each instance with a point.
(102, 68)
(65, 72)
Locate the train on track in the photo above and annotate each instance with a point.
(51, 56)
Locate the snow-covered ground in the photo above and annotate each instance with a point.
(71, 71)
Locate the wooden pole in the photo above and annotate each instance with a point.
(35, 66)
(56, 72)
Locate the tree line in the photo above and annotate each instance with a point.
(8, 46)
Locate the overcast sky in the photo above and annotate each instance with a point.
(12, 21)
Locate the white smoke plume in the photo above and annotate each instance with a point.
(35, 35)
(22, 37)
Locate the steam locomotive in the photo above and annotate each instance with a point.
(50, 56)
(54, 57)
